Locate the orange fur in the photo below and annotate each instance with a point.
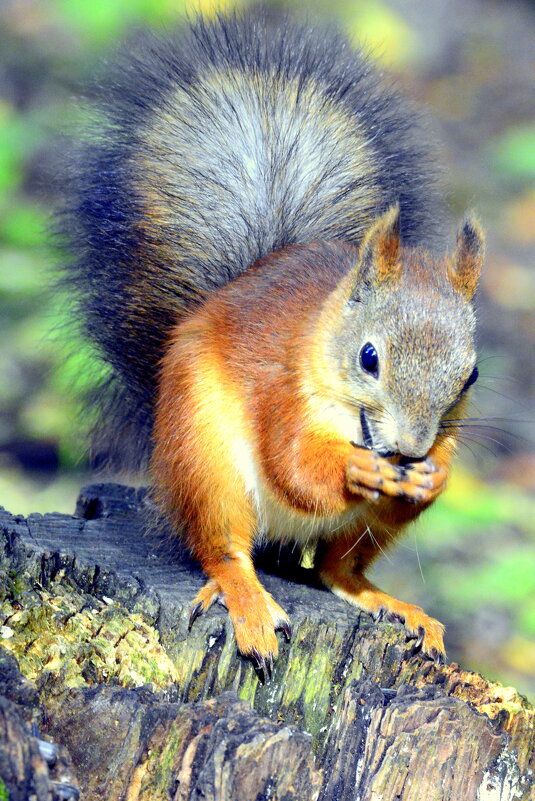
(226, 464)
(341, 566)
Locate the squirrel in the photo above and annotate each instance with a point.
(253, 224)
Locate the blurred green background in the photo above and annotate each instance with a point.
(471, 560)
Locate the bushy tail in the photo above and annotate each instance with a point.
(213, 148)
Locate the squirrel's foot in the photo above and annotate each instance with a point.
(373, 476)
(255, 616)
(427, 632)
(355, 588)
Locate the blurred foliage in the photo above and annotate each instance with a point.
(513, 153)
(471, 560)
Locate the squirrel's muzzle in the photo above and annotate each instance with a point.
(415, 444)
(412, 437)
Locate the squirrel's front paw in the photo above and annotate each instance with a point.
(371, 476)
(421, 481)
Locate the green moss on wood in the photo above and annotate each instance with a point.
(61, 640)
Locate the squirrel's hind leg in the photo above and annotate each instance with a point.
(340, 564)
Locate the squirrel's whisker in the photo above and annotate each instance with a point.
(479, 362)
(486, 419)
(474, 454)
(477, 437)
(502, 395)
(476, 427)
(485, 446)
(501, 378)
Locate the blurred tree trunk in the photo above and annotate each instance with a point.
(95, 610)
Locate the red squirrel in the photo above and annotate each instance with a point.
(253, 230)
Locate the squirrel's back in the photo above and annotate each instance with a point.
(218, 146)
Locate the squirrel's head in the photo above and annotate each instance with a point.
(405, 342)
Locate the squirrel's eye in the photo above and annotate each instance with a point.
(369, 360)
(472, 379)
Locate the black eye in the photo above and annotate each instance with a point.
(472, 379)
(369, 359)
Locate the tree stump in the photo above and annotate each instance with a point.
(106, 695)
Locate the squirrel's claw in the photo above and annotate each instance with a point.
(195, 612)
(416, 648)
(286, 627)
(393, 617)
(263, 665)
(437, 657)
(259, 664)
(204, 599)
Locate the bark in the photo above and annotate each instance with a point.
(94, 609)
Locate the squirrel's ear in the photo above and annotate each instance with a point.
(379, 251)
(467, 261)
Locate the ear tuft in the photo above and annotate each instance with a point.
(379, 251)
(467, 261)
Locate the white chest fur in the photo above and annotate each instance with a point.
(276, 520)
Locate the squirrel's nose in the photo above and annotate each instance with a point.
(412, 453)
(415, 444)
